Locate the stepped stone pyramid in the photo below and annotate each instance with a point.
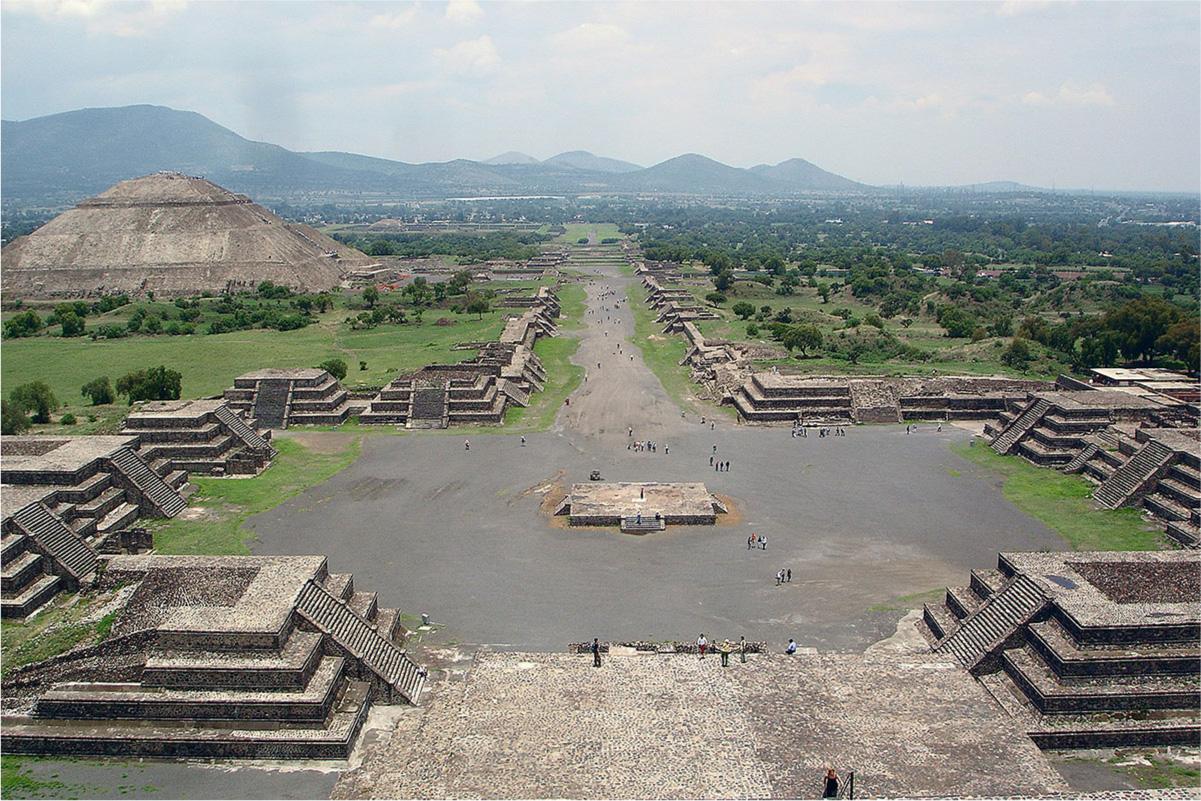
(234, 656)
(68, 500)
(1086, 649)
(174, 235)
(198, 436)
(478, 390)
(278, 398)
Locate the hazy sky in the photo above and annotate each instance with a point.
(1075, 94)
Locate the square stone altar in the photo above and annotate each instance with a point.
(633, 505)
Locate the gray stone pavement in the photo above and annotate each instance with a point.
(552, 726)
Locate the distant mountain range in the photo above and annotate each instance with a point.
(63, 158)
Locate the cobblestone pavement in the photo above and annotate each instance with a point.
(550, 725)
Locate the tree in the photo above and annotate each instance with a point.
(1017, 355)
(824, 291)
(13, 419)
(36, 398)
(72, 323)
(802, 338)
(1181, 341)
(157, 383)
(25, 324)
(335, 367)
(370, 296)
(1140, 323)
(716, 298)
(100, 390)
(743, 309)
(477, 306)
(723, 280)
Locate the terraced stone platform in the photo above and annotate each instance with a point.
(636, 505)
(1088, 649)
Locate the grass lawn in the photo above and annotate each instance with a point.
(663, 352)
(578, 231)
(67, 621)
(221, 505)
(1062, 502)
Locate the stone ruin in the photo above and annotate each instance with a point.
(479, 390)
(641, 507)
(197, 436)
(1141, 451)
(66, 502)
(176, 236)
(1084, 649)
(278, 398)
(217, 657)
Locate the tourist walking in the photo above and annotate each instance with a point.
(523, 440)
(466, 444)
(702, 645)
(750, 541)
(830, 784)
(595, 652)
(762, 543)
(791, 649)
(779, 577)
(742, 650)
(789, 572)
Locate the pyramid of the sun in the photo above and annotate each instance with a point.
(173, 235)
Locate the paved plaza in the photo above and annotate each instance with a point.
(525, 725)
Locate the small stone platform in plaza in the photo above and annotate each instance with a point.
(641, 506)
(525, 725)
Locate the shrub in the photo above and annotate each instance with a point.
(157, 383)
(752, 330)
(716, 298)
(335, 367)
(25, 324)
(362, 365)
(1018, 354)
(67, 419)
(35, 398)
(100, 390)
(743, 309)
(13, 419)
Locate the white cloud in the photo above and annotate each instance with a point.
(1012, 8)
(470, 57)
(103, 16)
(1071, 94)
(1092, 95)
(590, 36)
(463, 12)
(394, 20)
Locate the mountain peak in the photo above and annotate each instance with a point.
(511, 157)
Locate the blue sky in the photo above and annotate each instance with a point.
(1075, 94)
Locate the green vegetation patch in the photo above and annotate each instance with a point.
(1064, 504)
(663, 353)
(221, 505)
(1153, 771)
(58, 628)
(562, 378)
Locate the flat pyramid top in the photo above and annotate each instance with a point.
(164, 187)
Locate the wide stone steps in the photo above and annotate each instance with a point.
(152, 486)
(121, 517)
(1184, 532)
(238, 427)
(1178, 491)
(634, 525)
(986, 582)
(994, 622)
(19, 571)
(360, 638)
(1127, 479)
(102, 504)
(332, 738)
(1052, 695)
(271, 403)
(99, 700)
(31, 597)
(12, 544)
(1009, 436)
(1167, 508)
(290, 667)
(1078, 461)
(62, 544)
(962, 601)
(1069, 660)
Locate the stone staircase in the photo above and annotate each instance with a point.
(1020, 426)
(999, 618)
(1081, 458)
(335, 617)
(154, 490)
(429, 407)
(635, 525)
(240, 429)
(271, 402)
(1133, 477)
(54, 539)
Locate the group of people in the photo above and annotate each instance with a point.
(783, 576)
(912, 429)
(648, 445)
(720, 467)
(801, 431)
(756, 540)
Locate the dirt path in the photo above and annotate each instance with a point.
(619, 390)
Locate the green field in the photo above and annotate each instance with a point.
(213, 524)
(663, 352)
(577, 231)
(1064, 504)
